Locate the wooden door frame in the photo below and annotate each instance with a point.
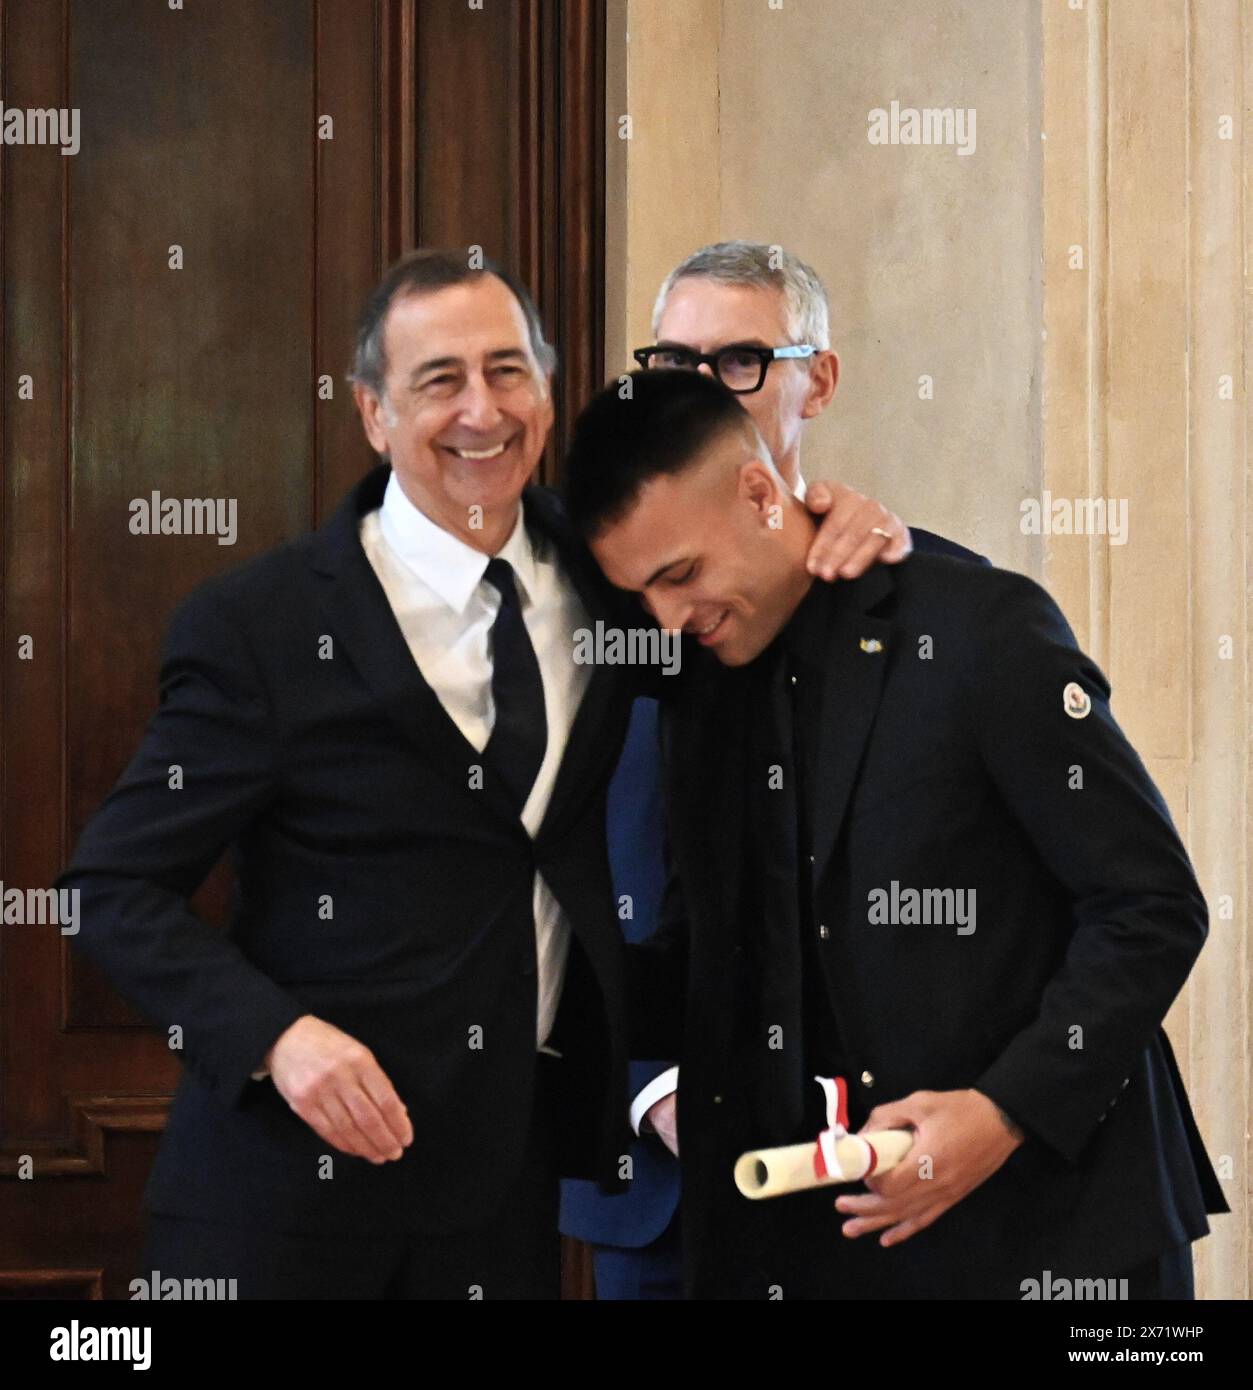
(560, 177)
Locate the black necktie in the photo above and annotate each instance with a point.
(520, 734)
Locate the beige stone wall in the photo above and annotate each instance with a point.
(1145, 399)
(749, 121)
(1074, 289)
(662, 183)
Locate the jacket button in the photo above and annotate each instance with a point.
(717, 1100)
(823, 932)
(867, 1078)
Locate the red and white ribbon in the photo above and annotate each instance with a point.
(826, 1160)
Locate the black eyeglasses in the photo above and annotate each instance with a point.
(741, 367)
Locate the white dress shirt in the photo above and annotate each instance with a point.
(445, 609)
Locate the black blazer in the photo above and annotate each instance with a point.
(953, 770)
(375, 889)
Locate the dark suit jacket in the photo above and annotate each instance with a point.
(636, 819)
(376, 889)
(953, 770)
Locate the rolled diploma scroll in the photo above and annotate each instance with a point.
(800, 1167)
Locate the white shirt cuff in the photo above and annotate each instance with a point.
(260, 1075)
(657, 1089)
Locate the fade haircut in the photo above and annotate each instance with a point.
(755, 263)
(624, 437)
(422, 272)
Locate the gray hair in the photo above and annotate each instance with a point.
(755, 263)
(421, 272)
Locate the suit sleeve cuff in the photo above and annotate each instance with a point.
(268, 1021)
(657, 1089)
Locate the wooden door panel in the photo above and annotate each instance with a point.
(207, 377)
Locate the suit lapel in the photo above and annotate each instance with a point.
(858, 649)
(362, 622)
(587, 742)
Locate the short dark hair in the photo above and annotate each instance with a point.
(636, 428)
(421, 272)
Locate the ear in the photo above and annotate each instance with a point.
(758, 486)
(824, 375)
(371, 409)
(549, 408)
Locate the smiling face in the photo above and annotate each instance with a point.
(466, 408)
(716, 550)
(707, 314)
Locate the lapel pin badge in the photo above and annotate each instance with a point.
(870, 644)
(1076, 701)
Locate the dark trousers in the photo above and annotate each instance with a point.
(652, 1272)
(861, 1268)
(515, 1254)
(792, 1248)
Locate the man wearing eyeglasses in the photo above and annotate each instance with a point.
(743, 367)
(757, 318)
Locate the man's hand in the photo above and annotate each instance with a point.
(337, 1088)
(964, 1136)
(848, 542)
(663, 1116)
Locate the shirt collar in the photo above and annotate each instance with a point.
(520, 553)
(799, 489)
(444, 562)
